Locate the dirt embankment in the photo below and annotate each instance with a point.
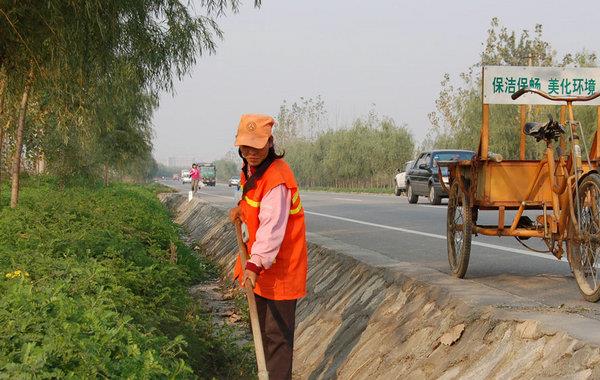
(369, 317)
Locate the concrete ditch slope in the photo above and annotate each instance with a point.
(368, 316)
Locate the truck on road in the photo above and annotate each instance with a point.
(208, 173)
(185, 176)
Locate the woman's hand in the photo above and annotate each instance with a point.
(251, 276)
(235, 214)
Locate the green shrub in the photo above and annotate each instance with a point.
(98, 294)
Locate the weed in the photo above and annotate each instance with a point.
(105, 293)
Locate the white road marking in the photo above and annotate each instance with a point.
(373, 195)
(215, 195)
(442, 207)
(435, 236)
(414, 232)
(349, 199)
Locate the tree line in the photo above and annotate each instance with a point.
(367, 152)
(79, 81)
(456, 121)
(362, 155)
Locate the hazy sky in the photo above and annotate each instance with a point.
(355, 54)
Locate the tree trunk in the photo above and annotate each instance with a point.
(2, 87)
(2, 128)
(105, 175)
(2, 133)
(16, 164)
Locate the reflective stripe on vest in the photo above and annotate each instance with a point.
(251, 202)
(297, 209)
(293, 211)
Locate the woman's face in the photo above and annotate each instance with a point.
(255, 156)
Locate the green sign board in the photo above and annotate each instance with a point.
(500, 82)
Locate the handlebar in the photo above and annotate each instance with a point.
(524, 90)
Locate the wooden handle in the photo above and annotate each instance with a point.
(243, 251)
(261, 363)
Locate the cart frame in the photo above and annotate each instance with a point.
(563, 187)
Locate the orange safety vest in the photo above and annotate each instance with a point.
(286, 279)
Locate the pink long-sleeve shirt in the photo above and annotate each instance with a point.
(195, 173)
(273, 217)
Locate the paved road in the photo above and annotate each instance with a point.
(416, 234)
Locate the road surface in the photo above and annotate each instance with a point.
(416, 233)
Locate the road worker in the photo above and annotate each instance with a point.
(273, 216)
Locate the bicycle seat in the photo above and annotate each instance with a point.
(544, 131)
(533, 128)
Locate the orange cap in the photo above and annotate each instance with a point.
(254, 130)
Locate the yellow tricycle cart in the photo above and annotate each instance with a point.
(563, 188)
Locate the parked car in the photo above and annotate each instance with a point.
(234, 181)
(400, 179)
(422, 178)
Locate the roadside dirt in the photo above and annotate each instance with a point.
(224, 302)
(220, 302)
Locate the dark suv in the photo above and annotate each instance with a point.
(422, 178)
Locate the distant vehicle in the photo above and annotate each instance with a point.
(208, 172)
(186, 177)
(234, 181)
(175, 177)
(400, 179)
(422, 177)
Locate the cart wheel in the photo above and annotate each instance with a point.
(584, 252)
(460, 227)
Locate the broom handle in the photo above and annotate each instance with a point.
(263, 374)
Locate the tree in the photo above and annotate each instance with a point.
(14, 195)
(456, 121)
(61, 55)
(304, 119)
(228, 166)
(365, 155)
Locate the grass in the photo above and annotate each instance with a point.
(89, 288)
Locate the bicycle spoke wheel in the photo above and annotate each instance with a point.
(459, 229)
(584, 247)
